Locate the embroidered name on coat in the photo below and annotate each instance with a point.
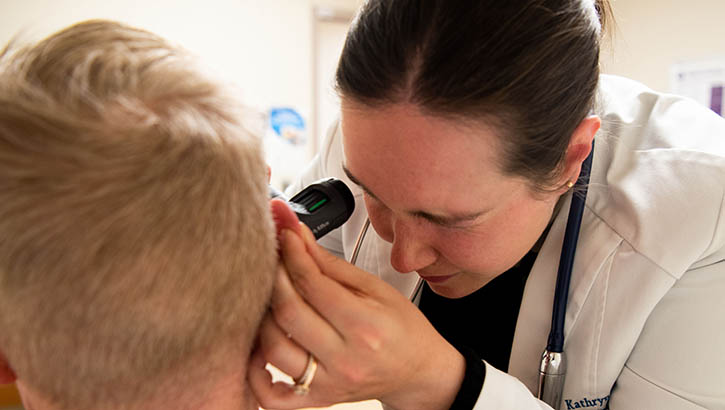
(586, 402)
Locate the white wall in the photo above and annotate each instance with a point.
(652, 35)
(329, 41)
(263, 45)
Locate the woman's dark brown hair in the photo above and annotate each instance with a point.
(528, 67)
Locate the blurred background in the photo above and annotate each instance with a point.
(282, 54)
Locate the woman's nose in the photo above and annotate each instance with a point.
(411, 251)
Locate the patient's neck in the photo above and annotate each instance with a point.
(229, 392)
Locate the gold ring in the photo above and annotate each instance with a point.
(302, 385)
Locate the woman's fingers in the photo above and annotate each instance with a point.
(300, 321)
(272, 347)
(342, 271)
(369, 340)
(279, 349)
(334, 287)
(275, 347)
(270, 394)
(331, 299)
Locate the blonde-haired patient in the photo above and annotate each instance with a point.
(137, 249)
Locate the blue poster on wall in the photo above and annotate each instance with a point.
(287, 124)
(285, 145)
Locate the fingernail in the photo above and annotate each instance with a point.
(307, 235)
(284, 234)
(287, 235)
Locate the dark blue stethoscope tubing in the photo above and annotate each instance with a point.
(566, 261)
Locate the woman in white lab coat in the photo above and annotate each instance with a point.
(463, 127)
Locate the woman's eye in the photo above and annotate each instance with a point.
(371, 200)
(453, 225)
(437, 221)
(448, 225)
(367, 196)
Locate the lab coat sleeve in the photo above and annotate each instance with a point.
(319, 168)
(502, 391)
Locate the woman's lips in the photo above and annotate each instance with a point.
(436, 279)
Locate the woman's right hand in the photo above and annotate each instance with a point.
(369, 340)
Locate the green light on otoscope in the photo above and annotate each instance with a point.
(317, 205)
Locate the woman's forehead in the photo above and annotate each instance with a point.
(405, 134)
(403, 154)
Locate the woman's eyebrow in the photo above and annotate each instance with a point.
(448, 220)
(357, 182)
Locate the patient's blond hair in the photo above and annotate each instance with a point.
(136, 246)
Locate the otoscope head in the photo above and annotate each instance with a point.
(322, 206)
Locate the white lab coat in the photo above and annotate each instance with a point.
(645, 323)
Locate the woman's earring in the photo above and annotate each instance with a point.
(569, 184)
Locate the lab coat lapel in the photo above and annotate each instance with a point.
(596, 245)
(532, 327)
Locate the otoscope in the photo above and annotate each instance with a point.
(322, 206)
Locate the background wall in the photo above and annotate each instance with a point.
(264, 46)
(652, 35)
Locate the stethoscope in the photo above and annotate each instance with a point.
(552, 369)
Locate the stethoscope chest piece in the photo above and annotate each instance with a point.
(552, 372)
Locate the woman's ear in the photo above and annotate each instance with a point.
(579, 148)
(7, 375)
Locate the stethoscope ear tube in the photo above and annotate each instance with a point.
(552, 370)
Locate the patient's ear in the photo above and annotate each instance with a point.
(7, 375)
(284, 217)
